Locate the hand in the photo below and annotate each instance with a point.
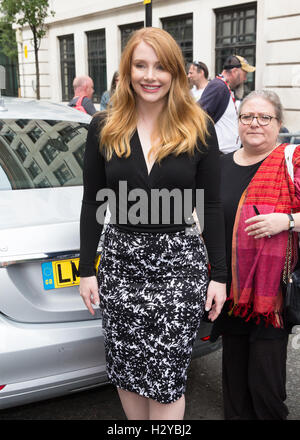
(88, 290)
(216, 292)
(267, 225)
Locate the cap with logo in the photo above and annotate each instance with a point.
(238, 61)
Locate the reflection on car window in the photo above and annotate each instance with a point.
(22, 122)
(35, 133)
(41, 153)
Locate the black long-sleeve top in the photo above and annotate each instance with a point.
(234, 180)
(199, 171)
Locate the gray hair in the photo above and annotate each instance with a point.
(269, 96)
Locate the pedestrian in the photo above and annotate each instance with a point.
(219, 101)
(83, 92)
(153, 282)
(107, 95)
(258, 204)
(198, 78)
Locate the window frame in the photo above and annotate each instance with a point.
(97, 61)
(131, 27)
(67, 66)
(187, 50)
(239, 44)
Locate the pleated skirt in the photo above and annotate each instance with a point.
(152, 290)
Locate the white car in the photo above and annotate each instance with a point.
(50, 344)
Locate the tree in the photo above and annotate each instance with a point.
(32, 13)
(8, 42)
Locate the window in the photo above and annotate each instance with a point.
(127, 30)
(79, 155)
(35, 133)
(68, 133)
(97, 61)
(67, 66)
(11, 75)
(63, 174)
(9, 136)
(33, 169)
(11, 66)
(22, 151)
(49, 153)
(236, 35)
(181, 29)
(22, 122)
(44, 183)
(52, 123)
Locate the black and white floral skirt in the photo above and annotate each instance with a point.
(152, 295)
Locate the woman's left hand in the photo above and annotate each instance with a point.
(266, 225)
(216, 296)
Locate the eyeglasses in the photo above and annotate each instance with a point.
(261, 119)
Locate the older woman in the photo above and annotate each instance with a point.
(259, 200)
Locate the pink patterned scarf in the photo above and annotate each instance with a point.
(257, 265)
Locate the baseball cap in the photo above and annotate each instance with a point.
(238, 61)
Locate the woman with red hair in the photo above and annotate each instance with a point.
(153, 277)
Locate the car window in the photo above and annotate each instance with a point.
(4, 181)
(41, 153)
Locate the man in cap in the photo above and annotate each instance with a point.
(219, 101)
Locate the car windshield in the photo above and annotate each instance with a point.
(41, 153)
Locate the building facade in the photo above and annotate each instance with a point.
(88, 37)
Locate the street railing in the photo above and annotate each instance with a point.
(293, 138)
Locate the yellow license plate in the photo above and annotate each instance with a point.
(62, 273)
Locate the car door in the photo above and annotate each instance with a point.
(40, 200)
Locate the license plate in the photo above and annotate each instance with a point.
(62, 273)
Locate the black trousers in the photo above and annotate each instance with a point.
(254, 378)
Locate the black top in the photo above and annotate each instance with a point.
(184, 172)
(234, 180)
